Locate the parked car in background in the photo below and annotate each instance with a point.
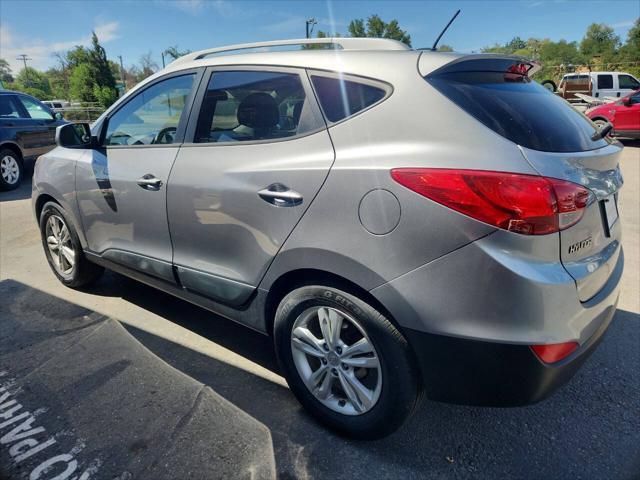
(27, 129)
(55, 104)
(397, 220)
(595, 84)
(624, 115)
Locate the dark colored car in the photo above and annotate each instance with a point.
(624, 115)
(27, 129)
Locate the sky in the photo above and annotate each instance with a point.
(132, 28)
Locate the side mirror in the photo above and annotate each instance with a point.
(626, 101)
(74, 135)
(57, 116)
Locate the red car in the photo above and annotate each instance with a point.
(623, 114)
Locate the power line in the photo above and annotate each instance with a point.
(25, 58)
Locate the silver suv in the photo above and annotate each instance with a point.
(397, 220)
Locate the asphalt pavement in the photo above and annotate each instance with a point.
(133, 383)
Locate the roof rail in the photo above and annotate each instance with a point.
(344, 43)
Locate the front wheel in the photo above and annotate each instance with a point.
(345, 362)
(63, 249)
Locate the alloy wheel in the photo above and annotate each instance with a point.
(9, 169)
(61, 249)
(336, 360)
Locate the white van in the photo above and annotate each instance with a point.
(595, 84)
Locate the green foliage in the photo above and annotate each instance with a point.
(445, 48)
(30, 78)
(81, 84)
(599, 41)
(376, 27)
(104, 95)
(5, 72)
(600, 49)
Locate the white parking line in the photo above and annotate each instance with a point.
(23, 438)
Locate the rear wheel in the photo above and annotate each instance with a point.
(63, 249)
(345, 362)
(10, 169)
(549, 85)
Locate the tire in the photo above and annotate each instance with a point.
(11, 169)
(72, 269)
(390, 403)
(549, 85)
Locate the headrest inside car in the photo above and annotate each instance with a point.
(258, 110)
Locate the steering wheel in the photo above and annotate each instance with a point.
(166, 135)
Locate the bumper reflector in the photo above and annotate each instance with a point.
(554, 352)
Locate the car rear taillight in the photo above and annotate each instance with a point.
(554, 352)
(526, 204)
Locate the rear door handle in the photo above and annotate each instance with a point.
(280, 195)
(150, 182)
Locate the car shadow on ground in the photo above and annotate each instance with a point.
(588, 429)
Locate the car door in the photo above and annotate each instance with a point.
(627, 84)
(122, 185)
(27, 132)
(258, 155)
(44, 133)
(605, 86)
(627, 117)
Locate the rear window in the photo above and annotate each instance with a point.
(340, 98)
(519, 109)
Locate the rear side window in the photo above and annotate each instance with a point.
(628, 82)
(340, 98)
(9, 107)
(605, 81)
(577, 79)
(519, 109)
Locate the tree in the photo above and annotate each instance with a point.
(516, 43)
(174, 53)
(81, 84)
(5, 71)
(32, 78)
(600, 40)
(445, 48)
(147, 65)
(100, 65)
(378, 28)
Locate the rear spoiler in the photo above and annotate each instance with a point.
(486, 62)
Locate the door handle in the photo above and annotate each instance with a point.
(280, 195)
(149, 182)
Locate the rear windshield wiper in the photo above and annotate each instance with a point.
(602, 132)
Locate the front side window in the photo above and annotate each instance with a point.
(605, 81)
(35, 109)
(9, 107)
(340, 98)
(152, 116)
(241, 106)
(628, 82)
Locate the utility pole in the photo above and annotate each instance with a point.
(24, 59)
(311, 22)
(124, 84)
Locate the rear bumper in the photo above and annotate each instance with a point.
(472, 372)
(471, 316)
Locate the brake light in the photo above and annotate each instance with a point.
(525, 204)
(554, 352)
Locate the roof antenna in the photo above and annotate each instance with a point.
(435, 44)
